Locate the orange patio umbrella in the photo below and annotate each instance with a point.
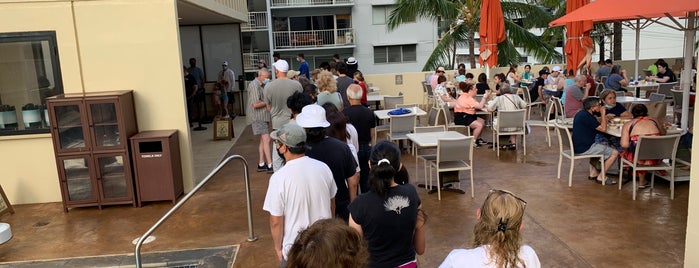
(578, 47)
(491, 32)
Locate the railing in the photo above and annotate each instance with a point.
(251, 234)
(237, 5)
(256, 21)
(319, 38)
(286, 3)
(250, 60)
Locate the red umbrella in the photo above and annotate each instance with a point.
(491, 32)
(578, 47)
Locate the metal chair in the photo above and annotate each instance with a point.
(400, 126)
(446, 117)
(655, 97)
(509, 123)
(530, 103)
(560, 114)
(453, 155)
(390, 102)
(433, 116)
(565, 145)
(677, 98)
(653, 147)
(666, 88)
(545, 122)
(425, 157)
(430, 95)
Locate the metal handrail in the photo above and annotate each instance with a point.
(251, 235)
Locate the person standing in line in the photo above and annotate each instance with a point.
(258, 117)
(343, 81)
(497, 236)
(333, 152)
(362, 118)
(303, 67)
(190, 90)
(276, 56)
(276, 94)
(227, 78)
(328, 243)
(299, 193)
(196, 72)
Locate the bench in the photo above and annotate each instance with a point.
(305, 39)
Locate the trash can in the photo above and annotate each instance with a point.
(157, 167)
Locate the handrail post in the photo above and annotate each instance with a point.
(251, 234)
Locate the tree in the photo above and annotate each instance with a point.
(462, 18)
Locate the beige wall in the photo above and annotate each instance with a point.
(123, 44)
(691, 259)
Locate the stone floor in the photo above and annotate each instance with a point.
(586, 225)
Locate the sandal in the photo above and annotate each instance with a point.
(608, 181)
(512, 147)
(644, 186)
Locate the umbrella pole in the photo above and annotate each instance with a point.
(689, 35)
(638, 37)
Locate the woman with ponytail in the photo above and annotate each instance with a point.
(497, 236)
(389, 216)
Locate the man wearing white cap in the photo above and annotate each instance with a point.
(299, 193)
(227, 78)
(334, 153)
(275, 95)
(433, 79)
(555, 83)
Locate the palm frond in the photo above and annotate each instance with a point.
(531, 43)
(410, 10)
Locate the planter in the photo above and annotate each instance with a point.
(7, 118)
(31, 117)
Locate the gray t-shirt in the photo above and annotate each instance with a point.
(334, 98)
(342, 83)
(276, 93)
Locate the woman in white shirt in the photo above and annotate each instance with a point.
(497, 236)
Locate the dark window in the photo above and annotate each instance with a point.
(395, 54)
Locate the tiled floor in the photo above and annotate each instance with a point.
(586, 225)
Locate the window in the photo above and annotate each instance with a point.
(395, 54)
(380, 14)
(29, 73)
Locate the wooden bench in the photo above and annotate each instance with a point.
(305, 39)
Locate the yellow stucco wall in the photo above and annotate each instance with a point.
(123, 44)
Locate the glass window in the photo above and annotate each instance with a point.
(29, 73)
(378, 14)
(395, 54)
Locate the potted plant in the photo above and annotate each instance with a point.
(31, 115)
(8, 116)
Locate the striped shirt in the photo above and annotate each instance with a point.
(255, 94)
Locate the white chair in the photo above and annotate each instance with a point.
(530, 103)
(560, 114)
(446, 117)
(509, 123)
(390, 102)
(545, 122)
(677, 97)
(425, 157)
(565, 145)
(453, 155)
(400, 126)
(656, 97)
(653, 147)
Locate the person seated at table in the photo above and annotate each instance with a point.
(554, 84)
(498, 79)
(507, 101)
(585, 127)
(665, 74)
(482, 86)
(574, 95)
(469, 78)
(512, 76)
(617, 79)
(641, 125)
(442, 95)
(465, 112)
(527, 75)
(614, 109)
(460, 77)
(536, 90)
(570, 80)
(497, 236)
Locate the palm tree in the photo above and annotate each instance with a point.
(463, 18)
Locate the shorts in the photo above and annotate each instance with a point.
(231, 97)
(464, 119)
(602, 149)
(260, 127)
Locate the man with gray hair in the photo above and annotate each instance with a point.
(362, 118)
(258, 117)
(575, 94)
(275, 95)
(585, 128)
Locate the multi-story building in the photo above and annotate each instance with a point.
(322, 28)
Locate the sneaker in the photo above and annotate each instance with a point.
(270, 170)
(480, 141)
(476, 145)
(261, 168)
(226, 116)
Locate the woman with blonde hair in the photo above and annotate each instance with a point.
(497, 236)
(327, 90)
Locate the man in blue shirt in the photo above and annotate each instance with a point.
(585, 127)
(196, 72)
(303, 68)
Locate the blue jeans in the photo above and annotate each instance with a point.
(363, 156)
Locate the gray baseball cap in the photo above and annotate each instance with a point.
(291, 135)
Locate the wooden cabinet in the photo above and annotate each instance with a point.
(90, 137)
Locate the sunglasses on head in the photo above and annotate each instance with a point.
(509, 193)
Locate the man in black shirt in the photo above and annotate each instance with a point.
(536, 91)
(343, 81)
(362, 118)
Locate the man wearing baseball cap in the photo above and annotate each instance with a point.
(433, 78)
(555, 83)
(227, 78)
(299, 193)
(275, 95)
(334, 153)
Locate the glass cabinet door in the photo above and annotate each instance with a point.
(105, 125)
(70, 128)
(112, 177)
(78, 185)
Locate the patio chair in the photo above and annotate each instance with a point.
(677, 97)
(399, 126)
(453, 155)
(599, 88)
(531, 103)
(430, 95)
(425, 157)
(653, 147)
(433, 116)
(655, 97)
(545, 122)
(390, 102)
(565, 145)
(560, 114)
(509, 123)
(666, 88)
(446, 118)
(410, 106)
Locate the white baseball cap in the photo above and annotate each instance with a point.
(281, 65)
(556, 68)
(225, 63)
(311, 116)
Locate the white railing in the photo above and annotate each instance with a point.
(256, 21)
(240, 6)
(320, 38)
(250, 60)
(285, 3)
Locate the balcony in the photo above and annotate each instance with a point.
(305, 3)
(250, 60)
(314, 39)
(256, 21)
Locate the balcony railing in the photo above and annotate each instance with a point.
(320, 38)
(250, 60)
(256, 21)
(287, 3)
(240, 6)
